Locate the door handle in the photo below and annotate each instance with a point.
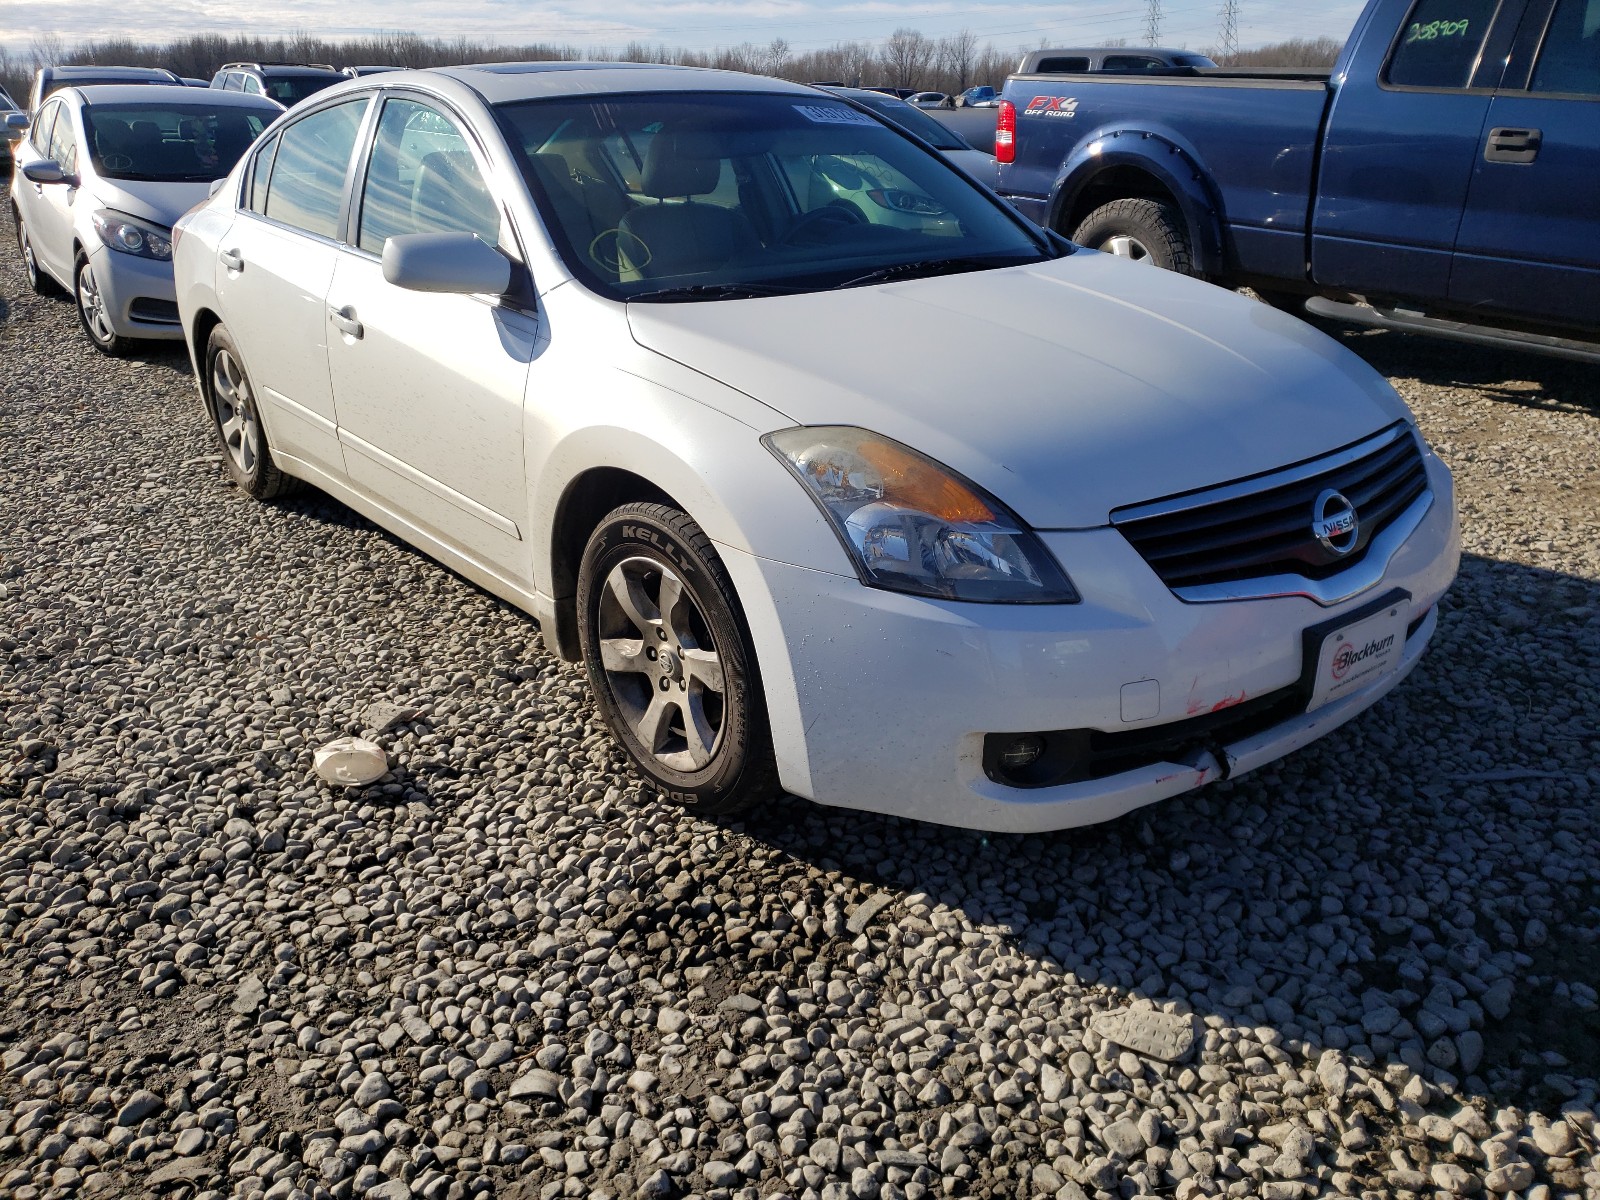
(1512, 145)
(345, 319)
(231, 259)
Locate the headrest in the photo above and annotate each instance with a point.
(681, 164)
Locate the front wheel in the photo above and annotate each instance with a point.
(1142, 231)
(92, 312)
(670, 662)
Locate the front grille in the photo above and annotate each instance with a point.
(1234, 533)
(145, 309)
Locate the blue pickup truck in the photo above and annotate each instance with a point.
(1443, 178)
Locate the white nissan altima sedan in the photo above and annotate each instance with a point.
(836, 474)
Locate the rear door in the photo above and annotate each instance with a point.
(29, 196)
(1402, 136)
(430, 387)
(1529, 245)
(273, 271)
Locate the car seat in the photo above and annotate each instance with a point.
(679, 235)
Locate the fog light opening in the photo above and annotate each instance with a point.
(1022, 752)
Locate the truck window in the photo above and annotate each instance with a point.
(1569, 60)
(1439, 43)
(1063, 66)
(1128, 63)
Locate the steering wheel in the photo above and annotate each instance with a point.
(820, 224)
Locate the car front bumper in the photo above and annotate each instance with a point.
(141, 299)
(881, 701)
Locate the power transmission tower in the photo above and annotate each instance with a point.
(1152, 24)
(1230, 27)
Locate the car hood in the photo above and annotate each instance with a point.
(1067, 389)
(162, 203)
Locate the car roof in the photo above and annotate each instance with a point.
(500, 83)
(176, 93)
(123, 73)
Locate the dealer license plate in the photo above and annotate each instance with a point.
(1358, 655)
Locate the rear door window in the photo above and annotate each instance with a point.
(1440, 42)
(1569, 60)
(260, 171)
(308, 172)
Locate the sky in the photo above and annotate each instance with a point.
(694, 24)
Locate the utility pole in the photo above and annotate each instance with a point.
(1152, 24)
(1230, 27)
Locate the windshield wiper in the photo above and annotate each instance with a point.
(924, 267)
(715, 291)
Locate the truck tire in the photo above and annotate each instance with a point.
(1146, 231)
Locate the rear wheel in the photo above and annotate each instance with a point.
(236, 420)
(1142, 231)
(670, 662)
(92, 314)
(38, 279)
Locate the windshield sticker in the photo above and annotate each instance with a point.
(827, 115)
(1435, 30)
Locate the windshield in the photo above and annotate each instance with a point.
(171, 142)
(289, 90)
(677, 196)
(913, 120)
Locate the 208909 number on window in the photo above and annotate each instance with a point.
(1434, 30)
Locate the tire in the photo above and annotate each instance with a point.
(679, 689)
(1144, 231)
(236, 420)
(39, 280)
(92, 312)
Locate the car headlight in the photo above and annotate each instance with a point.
(124, 233)
(911, 525)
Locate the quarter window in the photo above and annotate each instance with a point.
(308, 172)
(422, 178)
(63, 144)
(260, 169)
(1440, 42)
(1569, 60)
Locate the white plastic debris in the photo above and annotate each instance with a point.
(351, 761)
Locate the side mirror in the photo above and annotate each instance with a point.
(14, 126)
(46, 170)
(459, 263)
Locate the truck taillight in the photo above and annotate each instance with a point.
(1005, 133)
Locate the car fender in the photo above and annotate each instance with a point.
(1161, 154)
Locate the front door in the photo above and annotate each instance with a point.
(1530, 238)
(430, 387)
(1401, 139)
(276, 263)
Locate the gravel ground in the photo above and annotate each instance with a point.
(502, 970)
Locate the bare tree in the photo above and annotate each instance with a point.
(957, 54)
(906, 56)
(777, 56)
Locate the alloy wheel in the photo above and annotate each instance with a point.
(661, 663)
(1124, 246)
(236, 412)
(93, 307)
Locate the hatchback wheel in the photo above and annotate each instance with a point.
(237, 421)
(38, 279)
(92, 312)
(669, 659)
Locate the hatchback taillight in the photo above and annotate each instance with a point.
(1005, 133)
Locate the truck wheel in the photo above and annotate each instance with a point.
(1144, 231)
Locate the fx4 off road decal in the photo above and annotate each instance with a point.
(1052, 106)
